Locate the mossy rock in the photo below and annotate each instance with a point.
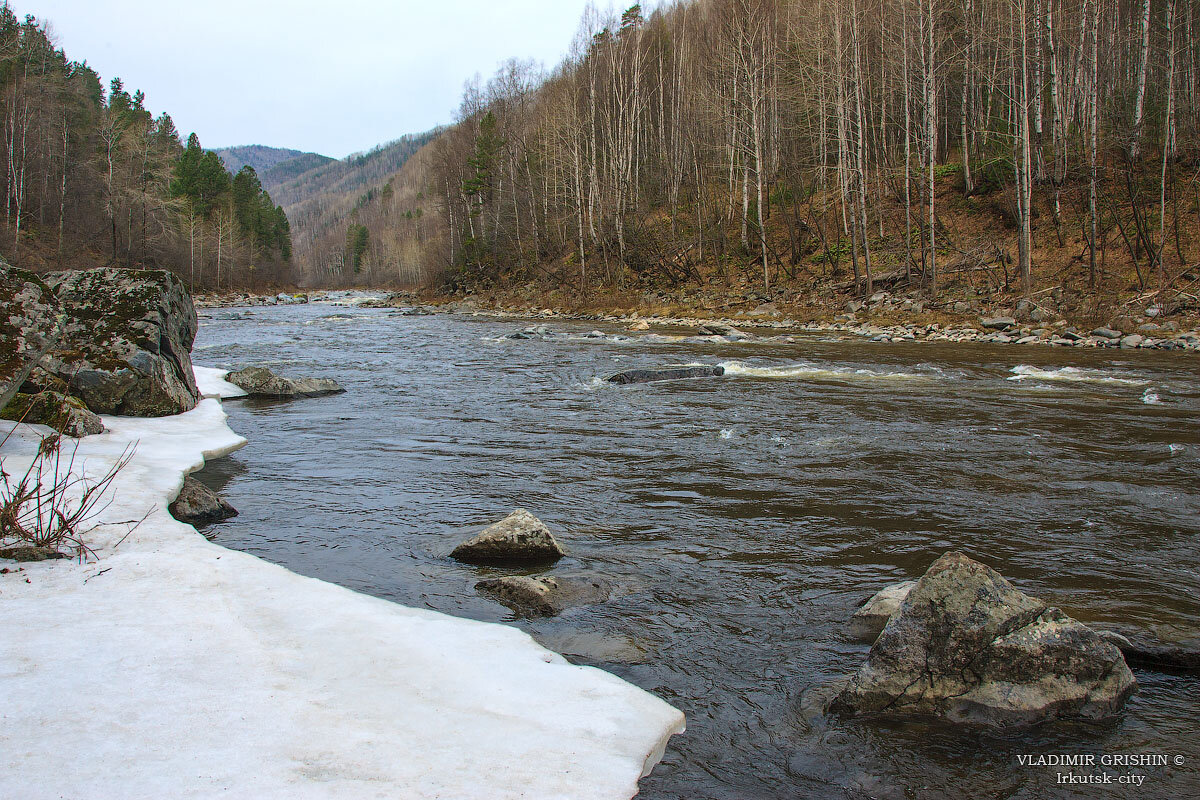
(29, 316)
(67, 415)
(123, 338)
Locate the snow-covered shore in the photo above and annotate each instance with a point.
(172, 667)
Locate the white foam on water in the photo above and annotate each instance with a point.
(1151, 398)
(726, 433)
(1072, 375)
(1175, 448)
(811, 372)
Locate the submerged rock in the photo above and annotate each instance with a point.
(67, 415)
(519, 538)
(546, 597)
(967, 646)
(261, 382)
(871, 618)
(1142, 649)
(196, 504)
(720, 329)
(665, 374)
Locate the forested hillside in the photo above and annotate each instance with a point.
(258, 156)
(274, 166)
(324, 203)
(986, 144)
(93, 177)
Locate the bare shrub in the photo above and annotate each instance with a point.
(51, 504)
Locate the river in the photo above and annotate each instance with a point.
(742, 519)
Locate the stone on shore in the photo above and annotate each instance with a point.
(665, 374)
(28, 320)
(519, 538)
(545, 597)
(998, 323)
(967, 646)
(127, 340)
(67, 415)
(261, 382)
(196, 504)
(121, 339)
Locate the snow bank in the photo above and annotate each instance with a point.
(212, 383)
(172, 667)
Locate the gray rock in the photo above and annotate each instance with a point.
(871, 618)
(261, 382)
(665, 374)
(1132, 341)
(127, 342)
(966, 646)
(65, 414)
(1145, 650)
(121, 338)
(27, 553)
(720, 329)
(1072, 335)
(853, 307)
(998, 323)
(1107, 333)
(519, 538)
(545, 597)
(196, 504)
(28, 323)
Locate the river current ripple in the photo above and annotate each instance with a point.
(742, 518)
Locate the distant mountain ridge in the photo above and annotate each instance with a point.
(258, 156)
(321, 195)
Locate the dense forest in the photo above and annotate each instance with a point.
(92, 177)
(345, 217)
(994, 144)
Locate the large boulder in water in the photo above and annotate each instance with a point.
(519, 538)
(261, 382)
(121, 339)
(967, 646)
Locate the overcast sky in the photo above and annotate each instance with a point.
(331, 77)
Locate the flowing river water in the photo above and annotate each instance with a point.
(742, 519)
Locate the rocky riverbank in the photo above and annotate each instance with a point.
(882, 318)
